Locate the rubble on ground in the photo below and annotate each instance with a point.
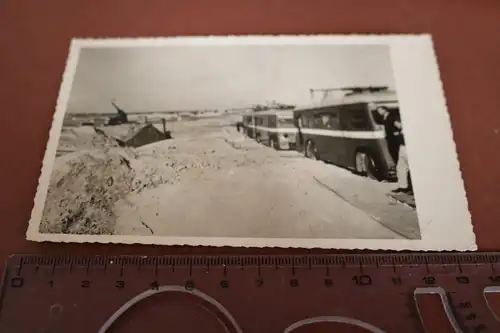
(83, 189)
(85, 184)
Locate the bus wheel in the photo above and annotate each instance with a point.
(365, 165)
(310, 151)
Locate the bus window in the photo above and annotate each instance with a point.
(327, 120)
(333, 121)
(357, 119)
(317, 121)
(272, 121)
(285, 122)
(306, 121)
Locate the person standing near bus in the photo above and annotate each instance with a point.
(300, 136)
(388, 119)
(402, 167)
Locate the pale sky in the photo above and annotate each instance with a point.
(149, 79)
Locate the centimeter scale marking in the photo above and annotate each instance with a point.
(378, 293)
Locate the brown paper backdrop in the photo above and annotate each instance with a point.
(34, 37)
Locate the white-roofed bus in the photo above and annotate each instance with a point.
(275, 128)
(348, 132)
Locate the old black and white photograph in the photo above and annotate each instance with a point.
(297, 141)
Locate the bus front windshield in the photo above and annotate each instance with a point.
(285, 122)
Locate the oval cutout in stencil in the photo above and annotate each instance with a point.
(332, 324)
(178, 309)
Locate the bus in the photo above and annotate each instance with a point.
(274, 128)
(347, 132)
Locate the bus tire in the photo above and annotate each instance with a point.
(365, 165)
(310, 151)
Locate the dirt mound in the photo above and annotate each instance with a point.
(83, 189)
(84, 137)
(85, 185)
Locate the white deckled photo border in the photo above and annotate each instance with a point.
(444, 218)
